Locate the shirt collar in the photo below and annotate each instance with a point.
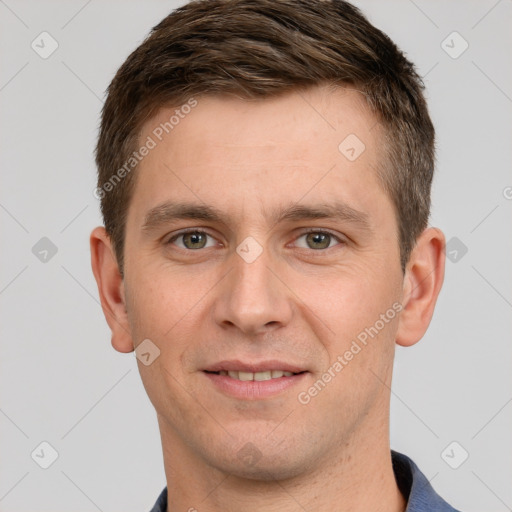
(412, 483)
(415, 487)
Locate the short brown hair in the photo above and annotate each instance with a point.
(262, 48)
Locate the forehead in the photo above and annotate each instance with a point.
(268, 125)
(316, 143)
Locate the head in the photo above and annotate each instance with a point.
(293, 142)
(263, 51)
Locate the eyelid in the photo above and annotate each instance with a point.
(184, 231)
(303, 231)
(306, 231)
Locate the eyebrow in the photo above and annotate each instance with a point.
(170, 211)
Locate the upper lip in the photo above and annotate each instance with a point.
(263, 366)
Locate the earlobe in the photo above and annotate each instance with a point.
(422, 283)
(111, 289)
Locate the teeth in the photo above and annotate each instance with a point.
(263, 375)
(258, 376)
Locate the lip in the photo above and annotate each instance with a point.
(252, 389)
(263, 366)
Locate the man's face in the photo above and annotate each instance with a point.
(261, 290)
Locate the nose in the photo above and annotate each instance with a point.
(253, 297)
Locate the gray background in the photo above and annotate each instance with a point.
(62, 382)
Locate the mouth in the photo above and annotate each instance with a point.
(255, 376)
(253, 381)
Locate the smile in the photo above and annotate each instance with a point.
(257, 376)
(254, 381)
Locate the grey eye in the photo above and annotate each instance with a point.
(192, 240)
(317, 240)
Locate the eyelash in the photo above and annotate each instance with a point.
(306, 232)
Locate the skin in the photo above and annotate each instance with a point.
(299, 301)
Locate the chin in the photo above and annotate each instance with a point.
(265, 465)
(266, 470)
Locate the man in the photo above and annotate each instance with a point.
(264, 174)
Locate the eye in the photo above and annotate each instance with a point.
(192, 240)
(318, 240)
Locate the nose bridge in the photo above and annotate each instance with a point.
(252, 298)
(252, 278)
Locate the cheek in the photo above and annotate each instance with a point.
(361, 314)
(362, 326)
(349, 302)
(159, 299)
(169, 310)
(159, 312)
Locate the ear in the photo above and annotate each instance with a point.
(423, 280)
(111, 289)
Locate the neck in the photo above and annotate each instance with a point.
(357, 478)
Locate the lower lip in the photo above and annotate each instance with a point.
(253, 389)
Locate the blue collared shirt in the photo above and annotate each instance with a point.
(412, 483)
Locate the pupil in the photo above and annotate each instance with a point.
(195, 239)
(319, 238)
